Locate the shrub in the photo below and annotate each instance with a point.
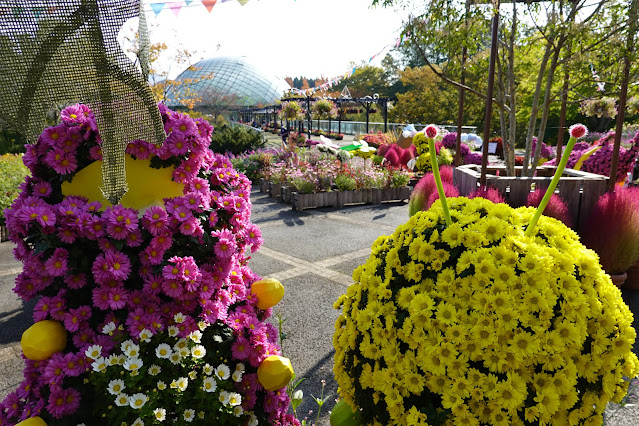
(477, 323)
(303, 185)
(235, 139)
(12, 174)
(556, 207)
(490, 194)
(612, 230)
(344, 182)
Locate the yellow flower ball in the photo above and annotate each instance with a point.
(269, 292)
(275, 372)
(43, 339)
(477, 323)
(33, 421)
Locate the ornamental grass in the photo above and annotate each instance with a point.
(476, 323)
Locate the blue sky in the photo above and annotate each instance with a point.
(286, 37)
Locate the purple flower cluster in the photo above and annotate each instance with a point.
(546, 151)
(599, 162)
(90, 266)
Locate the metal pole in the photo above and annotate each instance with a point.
(562, 114)
(385, 104)
(489, 94)
(460, 111)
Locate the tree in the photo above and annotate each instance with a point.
(214, 101)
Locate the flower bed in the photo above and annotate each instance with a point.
(146, 310)
(339, 199)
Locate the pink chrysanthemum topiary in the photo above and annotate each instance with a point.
(556, 207)
(612, 230)
(125, 282)
(488, 193)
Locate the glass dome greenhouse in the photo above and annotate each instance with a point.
(236, 79)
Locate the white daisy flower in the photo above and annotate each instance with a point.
(208, 369)
(184, 352)
(200, 414)
(181, 384)
(237, 376)
(160, 414)
(163, 351)
(133, 364)
(202, 325)
(253, 421)
(145, 335)
(238, 411)
(240, 367)
(217, 339)
(122, 400)
(132, 351)
(198, 351)
(161, 385)
(189, 415)
(235, 399)
(108, 328)
(224, 397)
(175, 358)
(196, 336)
(124, 346)
(116, 386)
(192, 375)
(99, 365)
(113, 359)
(222, 372)
(179, 318)
(138, 422)
(121, 359)
(181, 344)
(173, 331)
(137, 400)
(209, 384)
(154, 370)
(93, 352)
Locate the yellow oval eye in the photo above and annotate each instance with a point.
(275, 372)
(43, 339)
(147, 186)
(269, 292)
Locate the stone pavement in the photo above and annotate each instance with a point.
(313, 253)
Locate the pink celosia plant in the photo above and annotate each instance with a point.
(422, 196)
(115, 274)
(488, 193)
(556, 207)
(612, 230)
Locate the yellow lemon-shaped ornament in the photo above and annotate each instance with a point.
(43, 339)
(33, 421)
(275, 372)
(269, 292)
(147, 186)
(343, 415)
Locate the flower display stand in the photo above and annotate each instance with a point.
(339, 199)
(580, 190)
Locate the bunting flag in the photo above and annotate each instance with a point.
(209, 4)
(157, 8)
(175, 7)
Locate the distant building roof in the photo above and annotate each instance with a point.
(232, 76)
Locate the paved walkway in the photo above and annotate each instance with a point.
(313, 253)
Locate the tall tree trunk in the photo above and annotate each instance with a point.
(546, 104)
(534, 110)
(509, 155)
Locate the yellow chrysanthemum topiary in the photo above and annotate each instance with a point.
(476, 323)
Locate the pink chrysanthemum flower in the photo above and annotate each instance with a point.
(66, 235)
(200, 186)
(62, 162)
(118, 297)
(578, 131)
(156, 220)
(178, 144)
(53, 135)
(54, 371)
(134, 239)
(191, 226)
(63, 402)
(182, 213)
(74, 114)
(161, 242)
(120, 221)
(94, 228)
(95, 152)
(140, 149)
(111, 265)
(224, 248)
(42, 189)
(76, 281)
(56, 265)
(182, 124)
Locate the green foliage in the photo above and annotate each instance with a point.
(11, 142)
(303, 185)
(12, 174)
(344, 182)
(235, 139)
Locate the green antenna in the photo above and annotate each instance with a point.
(576, 131)
(431, 131)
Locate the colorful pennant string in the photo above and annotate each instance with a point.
(176, 6)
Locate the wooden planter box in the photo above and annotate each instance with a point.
(580, 190)
(286, 194)
(339, 199)
(274, 189)
(4, 234)
(263, 185)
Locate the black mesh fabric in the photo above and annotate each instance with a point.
(62, 51)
